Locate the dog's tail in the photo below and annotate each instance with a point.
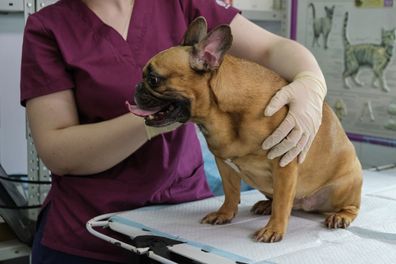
(313, 10)
(344, 31)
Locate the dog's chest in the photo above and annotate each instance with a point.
(232, 164)
(254, 170)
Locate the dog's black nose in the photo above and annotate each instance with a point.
(144, 98)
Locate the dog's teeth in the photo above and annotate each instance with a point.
(150, 117)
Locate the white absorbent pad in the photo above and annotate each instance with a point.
(371, 238)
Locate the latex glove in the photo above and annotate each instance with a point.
(155, 131)
(294, 136)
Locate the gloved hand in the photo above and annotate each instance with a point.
(155, 131)
(294, 136)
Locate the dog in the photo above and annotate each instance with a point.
(226, 97)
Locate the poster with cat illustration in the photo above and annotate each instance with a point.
(354, 43)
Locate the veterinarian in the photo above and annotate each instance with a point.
(81, 61)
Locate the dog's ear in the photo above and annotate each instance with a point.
(196, 32)
(208, 54)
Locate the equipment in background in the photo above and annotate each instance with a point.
(12, 205)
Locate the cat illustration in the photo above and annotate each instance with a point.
(340, 109)
(375, 56)
(322, 25)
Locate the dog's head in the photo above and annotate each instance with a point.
(175, 81)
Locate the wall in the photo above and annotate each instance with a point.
(371, 155)
(13, 153)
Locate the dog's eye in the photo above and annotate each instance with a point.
(153, 80)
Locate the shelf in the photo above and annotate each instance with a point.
(11, 6)
(12, 249)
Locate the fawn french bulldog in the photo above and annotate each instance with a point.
(226, 97)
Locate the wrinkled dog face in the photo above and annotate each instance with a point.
(164, 93)
(174, 79)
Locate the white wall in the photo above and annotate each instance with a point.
(13, 153)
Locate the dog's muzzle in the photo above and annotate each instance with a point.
(144, 98)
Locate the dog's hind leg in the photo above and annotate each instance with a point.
(263, 207)
(345, 198)
(342, 218)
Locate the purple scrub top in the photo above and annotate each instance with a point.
(66, 46)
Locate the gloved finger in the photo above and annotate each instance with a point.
(303, 154)
(155, 131)
(280, 133)
(280, 99)
(286, 145)
(293, 153)
(170, 127)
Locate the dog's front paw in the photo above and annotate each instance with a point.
(218, 218)
(268, 235)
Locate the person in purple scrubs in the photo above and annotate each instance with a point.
(81, 61)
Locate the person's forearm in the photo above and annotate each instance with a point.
(289, 58)
(92, 148)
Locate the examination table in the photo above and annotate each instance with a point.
(176, 236)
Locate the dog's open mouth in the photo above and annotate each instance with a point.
(157, 116)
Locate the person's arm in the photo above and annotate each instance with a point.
(304, 95)
(284, 56)
(66, 147)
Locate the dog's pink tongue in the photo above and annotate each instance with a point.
(134, 109)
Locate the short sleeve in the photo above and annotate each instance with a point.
(43, 70)
(216, 12)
